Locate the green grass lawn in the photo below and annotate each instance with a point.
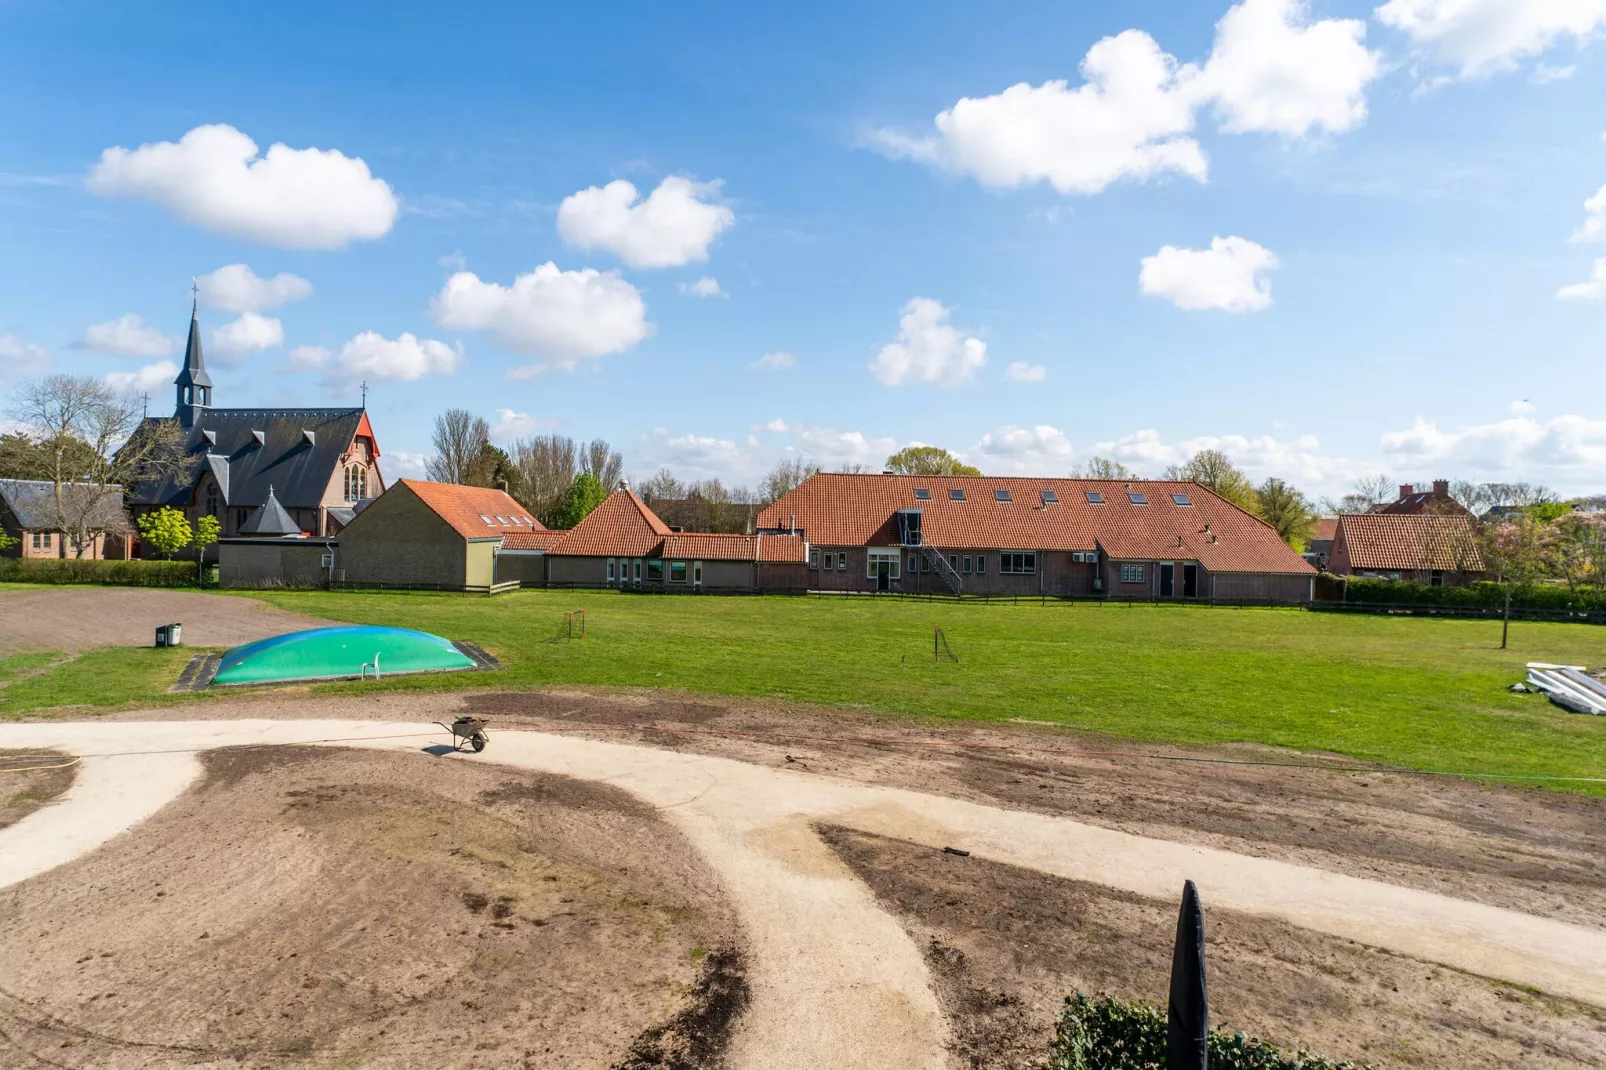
(1423, 693)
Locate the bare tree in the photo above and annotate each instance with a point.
(548, 465)
(459, 440)
(786, 475)
(1102, 468)
(1366, 493)
(93, 445)
(603, 462)
(662, 487)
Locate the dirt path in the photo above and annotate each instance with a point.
(835, 979)
(30, 779)
(79, 618)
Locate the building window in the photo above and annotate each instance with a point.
(914, 562)
(923, 494)
(956, 494)
(37, 545)
(677, 572)
(1002, 495)
(953, 562)
(1436, 578)
(357, 483)
(1049, 497)
(841, 562)
(1137, 499)
(1017, 563)
(1181, 499)
(814, 558)
(981, 563)
(874, 559)
(966, 562)
(1094, 497)
(1131, 573)
(610, 571)
(47, 540)
(655, 571)
(697, 574)
(637, 578)
(211, 500)
(830, 562)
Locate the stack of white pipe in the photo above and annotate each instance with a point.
(1568, 686)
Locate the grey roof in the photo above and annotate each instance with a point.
(298, 471)
(194, 373)
(343, 514)
(270, 519)
(33, 503)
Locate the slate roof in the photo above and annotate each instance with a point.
(1424, 541)
(269, 518)
(834, 509)
(33, 503)
(622, 526)
(474, 512)
(775, 549)
(194, 373)
(222, 441)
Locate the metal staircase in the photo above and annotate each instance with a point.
(940, 565)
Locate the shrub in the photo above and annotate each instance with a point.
(1481, 594)
(1103, 1033)
(85, 570)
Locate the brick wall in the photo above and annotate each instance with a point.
(398, 539)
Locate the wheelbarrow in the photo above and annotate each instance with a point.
(470, 730)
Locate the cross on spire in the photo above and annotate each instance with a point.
(365, 393)
(145, 409)
(195, 294)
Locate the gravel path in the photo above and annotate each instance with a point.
(78, 618)
(835, 979)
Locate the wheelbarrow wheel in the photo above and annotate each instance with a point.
(477, 741)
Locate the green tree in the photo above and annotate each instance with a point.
(1214, 471)
(928, 461)
(585, 494)
(165, 530)
(1287, 511)
(7, 541)
(207, 529)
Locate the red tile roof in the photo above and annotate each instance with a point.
(532, 540)
(777, 549)
(622, 526)
(857, 510)
(1395, 541)
(474, 512)
(1326, 528)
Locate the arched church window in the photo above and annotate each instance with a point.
(356, 483)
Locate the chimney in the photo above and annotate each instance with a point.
(1441, 488)
(501, 485)
(791, 523)
(1406, 490)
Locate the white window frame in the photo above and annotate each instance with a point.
(981, 564)
(1132, 573)
(965, 560)
(696, 573)
(672, 566)
(914, 563)
(814, 557)
(830, 561)
(842, 561)
(873, 557)
(609, 580)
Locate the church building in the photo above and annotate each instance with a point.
(314, 465)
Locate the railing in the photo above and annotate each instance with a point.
(941, 567)
(1430, 609)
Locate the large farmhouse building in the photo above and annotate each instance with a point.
(315, 463)
(1011, 535)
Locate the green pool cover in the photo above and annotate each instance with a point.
(333, 653)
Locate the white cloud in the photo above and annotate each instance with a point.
(236, 288)
(239, 338)
(1544, 73)
(1594, 225)
(400, 464)
(1563, 450)
(126, 336)
(774, 362)
(1593, 290)
(670, 228)
(454, 260)
(1133, 116)
(560, 316)
(704, 452)
(370, 355)
(213, 177)
(703, 287)
(1022, 372)
(20, 359)
(510, 425)
(777, 426)
(1128, 120)
(148, 378)
(1226, 276)
(928, 349)
(1011, 450)
(1270, 72)
(1521, 406)
(833, 449)
(1299, 460)
(1480, 37)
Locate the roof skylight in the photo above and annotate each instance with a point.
(1002, 495)
(1136, 498)
(1181, 499)
(956, 494)
(922, 494)
(1094, 498)
(1050, 497)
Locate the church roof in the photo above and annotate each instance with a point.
(194, 373)
(249, 450)
(270, 519)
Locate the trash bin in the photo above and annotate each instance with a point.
(161, 634)
(175, 634)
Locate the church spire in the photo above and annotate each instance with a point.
(193, 386)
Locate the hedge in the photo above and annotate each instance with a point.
(1103, 1033)
(121, 573)
(1481, 594)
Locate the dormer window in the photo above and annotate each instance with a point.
(1002, 495)
(210, 436)
(956, 494)
(260, 437)
(309, 437)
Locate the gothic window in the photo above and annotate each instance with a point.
(211, 500)
(356, 482)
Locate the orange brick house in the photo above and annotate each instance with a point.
(1014, 535)
(1438, 549)
(28, 513)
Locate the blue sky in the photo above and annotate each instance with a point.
(1332, 238)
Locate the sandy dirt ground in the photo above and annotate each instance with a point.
(316, 907)
(78, 618)
(1006, 945)
(30, 779)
